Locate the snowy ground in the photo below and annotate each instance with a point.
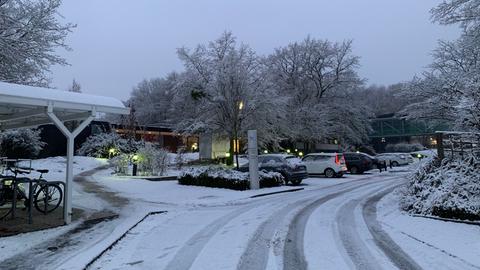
(426, 240)
(57, 166)
(346, 223)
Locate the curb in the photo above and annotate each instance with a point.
(447, 219)
(158, 179)
(92, 261)
(150, 178)
(276, 192)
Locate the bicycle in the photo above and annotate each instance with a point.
(46, 196)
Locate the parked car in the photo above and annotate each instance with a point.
(410, 158)
(375, 162)
(358, 163)
(328, 164)
(395, 159)
(291, 167)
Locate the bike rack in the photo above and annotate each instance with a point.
(30, 195)
(60, 183)
(30, 182)
(22, 180)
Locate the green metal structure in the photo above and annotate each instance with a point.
(400, 127)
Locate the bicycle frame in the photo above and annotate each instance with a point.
(39, 191)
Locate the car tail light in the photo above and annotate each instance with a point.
(339, 159)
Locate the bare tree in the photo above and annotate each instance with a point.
(153, 99)
(29, 36)
(75, 87)
(316, 76)
(463, 12)
(225, 83)
(450, 89)
(383, 100)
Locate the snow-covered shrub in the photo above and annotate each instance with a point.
(152, 160)
(99, 145)
(149, 159)
(20, 143)
(219, 177)
(120, 163)
(180, 158)
(404, 147)
(448, 189)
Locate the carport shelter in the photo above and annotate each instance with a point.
(26, 106)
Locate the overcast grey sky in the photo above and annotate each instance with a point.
(118, 43)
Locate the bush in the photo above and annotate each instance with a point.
(99, 145)
(448, 189)
(150, 161)
(20, 143)
(219, 177)
(404, 147)
(179, 158)
(121, 162)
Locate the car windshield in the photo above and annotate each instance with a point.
(293, 161)
(270, 161)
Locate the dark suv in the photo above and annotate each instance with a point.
(357, 163)
(291, 167)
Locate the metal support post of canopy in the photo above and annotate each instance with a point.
(26, 106)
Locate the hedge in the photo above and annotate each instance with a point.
(447, 189)
(219, 177)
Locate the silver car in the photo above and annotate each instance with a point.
(395, 159)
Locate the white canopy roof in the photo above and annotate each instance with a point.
(26, 106)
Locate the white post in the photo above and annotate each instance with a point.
(67, 210)
(253, 159)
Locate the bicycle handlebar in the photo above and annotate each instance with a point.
(18, 170)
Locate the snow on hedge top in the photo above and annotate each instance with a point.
(230, 174)
(215, 172)
(25, 94)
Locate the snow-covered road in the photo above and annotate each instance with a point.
(347, 223)
(331, 226)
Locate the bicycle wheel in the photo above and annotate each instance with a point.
(48, 198)
(5, 203)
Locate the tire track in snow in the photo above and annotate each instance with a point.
(396, 255)
(257, 251)
(185, 257)
(293, 255)
(355, 248)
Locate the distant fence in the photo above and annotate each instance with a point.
(457, 144)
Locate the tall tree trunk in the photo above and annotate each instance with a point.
(231, 152)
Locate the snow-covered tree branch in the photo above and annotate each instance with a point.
(30, 34)
(450, 89)
(224, 91)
